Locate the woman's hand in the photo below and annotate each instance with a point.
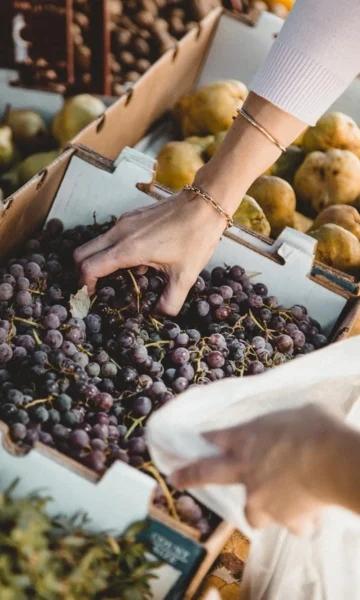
(176, 236)
(285, 459)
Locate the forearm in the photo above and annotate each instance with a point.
(246, 153)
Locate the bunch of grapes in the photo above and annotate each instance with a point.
(87, 386)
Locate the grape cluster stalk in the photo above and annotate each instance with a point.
(86, 386)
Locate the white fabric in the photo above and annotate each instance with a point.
(281, 566)
(314, 58)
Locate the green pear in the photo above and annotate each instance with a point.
(76, 114)
(9, 181)
(28, 128)
(7, 148)
(34, 163)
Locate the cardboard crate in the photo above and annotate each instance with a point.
(77, 184)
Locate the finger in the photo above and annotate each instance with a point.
(96, 245)
(103, 263)
(224, 438)
(219, 470)
(256, 517)
(174, 294)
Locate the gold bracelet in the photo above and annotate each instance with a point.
(205, 196)
(254, 123)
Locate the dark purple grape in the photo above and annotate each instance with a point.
(70, 418)
(50, 321)
(236, 273)
(54, 416)
(18, 432)
(54, 227)
(55, 293)
(186, 371)
(255, 301)
(6, 353)
(222, 313)
(139, 354)
(68, 348)
(298, 312)
(156, 389)
(93, 322)
(260, 289)
(96, 460)
(218, 275)
(284, 344)
(277, 323)
(318, 340)
(265, 314)
(80, 358)
(104, 401)
(180, 384)
(255, 368)
(171, 330)
(137, 445)
(298, 339)
(15, 396)
(19, 353)
(60, 311)
(202, 308)
(141, 406)
(32, 270)
(98, 444)
(307, 348)
(226, 292)
(60, 432)
(40, 414)
(109, 369)
(180, 356)
(194, 336)
(217, 341)
(22, 417)
(79, 439)
(188, 509)
(182, 339)
(93, 368)
(63, 402)
(215, 300)
(106, 293)
(53, 338)
(6, 291)
(22, 283)
(74, 334)
(215, 359)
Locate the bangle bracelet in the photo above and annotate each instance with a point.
(205, 196)
(254, 123)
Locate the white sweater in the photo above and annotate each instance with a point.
(314, 58)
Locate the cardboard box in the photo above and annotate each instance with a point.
(73, 187)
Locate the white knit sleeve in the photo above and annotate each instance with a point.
(314, 58)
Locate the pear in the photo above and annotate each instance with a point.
(7, 148)
(76, 114)
(337, 247)
(250, 215)
(28, 128)
(288, 163)
(34, 163)
(178, 163)
(277, 199)
(9, 181)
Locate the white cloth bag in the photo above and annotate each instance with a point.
(281, 566)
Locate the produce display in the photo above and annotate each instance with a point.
(281, 8)
(83, 375)
(314, 186)
(58, 558)
(28, 145)
(142, 30)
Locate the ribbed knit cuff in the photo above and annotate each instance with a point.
(297, 84)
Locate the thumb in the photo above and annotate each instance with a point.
(174, 294)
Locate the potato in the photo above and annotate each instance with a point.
(337, 247)
(333, 130)
(211, 108)
(327, 178)
(250, 215)
(177, 164)
(340, 214)
(277, 199)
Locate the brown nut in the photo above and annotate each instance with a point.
(82, 56)
(140, 47)
(150, 6)
(142, 65)
(144, 19)
(126, 58)
(82, 21)
(123, 38)
(132, 76)
(177, 27)
(118, 89)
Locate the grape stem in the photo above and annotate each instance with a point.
(36, 337)
(39, 401)
(157, 344)
(28, 322)
(152, 470)
(133, 426)
(136, 288)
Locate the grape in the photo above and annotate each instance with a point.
(16, 270)
(277, 323)
(9, 279)
(50, 321)
(284, 344)
(258, 342)
(255, 301)
(271, 301)
(186, 371)
(255, 368)
(217, 341)
(63, 402)
(15, 396)
(136, 461)
(171, 330)
(74, 334)
(23, 283)
(80, 358)
(126, 339)
(265, 314)
(68, 348)
(54, 227)
(55, 293)
(5, 325)
(40, 414)
(60, 311)
(299, 339)
(93, 369)
(109, 369)
(6, 291)
(53, 338)
(18, 432)
(318, 340)
(215, 374)
(54, 416)
(32, 271)
(236, 273)
(222, 313)
(260, 289)
(19, 353)
(194, 336)
(70, 418)
(180, 356)
(141, 406)
(96, 460)
(137, 445)
(79, 439)
(139, 354)
(202, 308)
(106, 293)
(46, 438)
(307, 347)
(298, 312)
(22, 417)
(98, 444)
(93, 322)
(215, 359)
(180, 384)
(218, 275)
(37, 309)
(104, 401)
(215, 300)
(60, 431)
(188, 509)
(39, 259)
(6, 353)
(226, 292)
(182, 339)
(156, 389)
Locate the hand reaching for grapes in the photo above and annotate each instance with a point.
(287, 461)
(176, 236)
